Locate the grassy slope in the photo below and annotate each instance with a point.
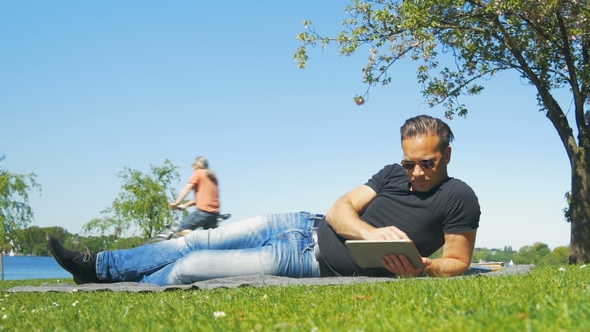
(547, 299)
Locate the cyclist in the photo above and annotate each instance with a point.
(205, 185)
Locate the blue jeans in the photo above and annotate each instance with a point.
(280, 245)
(197, 219)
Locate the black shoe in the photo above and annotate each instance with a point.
(81, 265)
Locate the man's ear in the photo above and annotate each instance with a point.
(447, 154)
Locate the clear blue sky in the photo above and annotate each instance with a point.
(87, 88)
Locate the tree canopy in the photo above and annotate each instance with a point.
(546, 41)
(15, 211)
(143, 201)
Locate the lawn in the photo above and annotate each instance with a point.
(550, 298)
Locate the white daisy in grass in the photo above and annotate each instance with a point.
(218, 314)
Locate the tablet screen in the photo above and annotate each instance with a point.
(368, 254)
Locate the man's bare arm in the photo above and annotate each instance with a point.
(185, 191)
(187, 204)
(455, 261)
(344, 218)
(456, 256)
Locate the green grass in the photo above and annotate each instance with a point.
(547, 299)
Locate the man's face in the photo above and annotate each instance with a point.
(420, 151)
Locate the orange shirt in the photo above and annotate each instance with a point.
(206, 191)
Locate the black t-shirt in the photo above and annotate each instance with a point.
(450, 208)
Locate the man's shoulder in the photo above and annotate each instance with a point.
(457, 188)
(387, 174)
(456, 183)
(393, 170)
(462, 205)
(198, 174)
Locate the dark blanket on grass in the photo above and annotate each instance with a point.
(254, 280)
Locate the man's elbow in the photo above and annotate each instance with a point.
(462, 268)
(333, 211)
(330, 215)
(449, 267)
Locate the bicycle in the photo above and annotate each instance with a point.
(172, 228)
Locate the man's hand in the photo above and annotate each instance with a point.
(401, 266)
(384, 233)
(173, 205)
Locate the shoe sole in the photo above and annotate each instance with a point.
(77, 279)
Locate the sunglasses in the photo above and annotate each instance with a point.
(425, 164)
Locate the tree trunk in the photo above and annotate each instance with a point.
(580, 210)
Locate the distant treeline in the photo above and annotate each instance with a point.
(538, 254)
(31, 241)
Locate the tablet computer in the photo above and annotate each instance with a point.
(368, 253)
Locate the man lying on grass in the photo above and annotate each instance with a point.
(415, 200)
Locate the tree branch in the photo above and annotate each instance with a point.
(554, 112)
(571, 68)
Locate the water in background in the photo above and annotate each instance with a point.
(32, 267)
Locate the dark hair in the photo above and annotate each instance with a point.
(425, 125)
